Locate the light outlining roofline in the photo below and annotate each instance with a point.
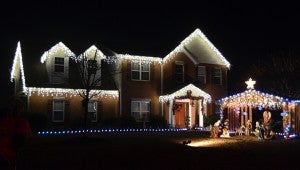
(197, 32)
(71, 92)
(182, 92)
(18, 57)
(54, 49)
(142, 58)
(93, 48)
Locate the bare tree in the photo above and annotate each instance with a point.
(90, 71)
(279, 73)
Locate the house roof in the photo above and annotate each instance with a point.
(183, 92)
(197, 47)
(252, 98)
(34, 69)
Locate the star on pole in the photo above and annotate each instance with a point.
(250, 83)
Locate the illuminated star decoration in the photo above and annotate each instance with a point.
(250, 83)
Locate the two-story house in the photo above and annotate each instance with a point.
(182, 86)
(52, 86)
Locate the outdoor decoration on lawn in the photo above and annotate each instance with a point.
(225, 129)
(239, 108)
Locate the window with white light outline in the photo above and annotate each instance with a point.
(92, 109)
(217, 76)
(140, 110)
(58, 113)
(59, 64)
(140, 71)
(179, 71)
(201, 74)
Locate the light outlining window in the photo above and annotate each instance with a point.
(140, 71)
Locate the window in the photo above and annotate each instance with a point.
(92, 66)
(140, 70)
(92, 109)
(179, 71)
(217, 76)
(140, 110)
(201, 74)
(58, 110)
(59, 64)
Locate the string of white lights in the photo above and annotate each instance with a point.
(55, 49)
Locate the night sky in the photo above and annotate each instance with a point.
(242, 31)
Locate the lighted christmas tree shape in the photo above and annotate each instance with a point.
(250, 83)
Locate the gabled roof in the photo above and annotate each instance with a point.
(18, 67)
(34, 69)
(199, 49)
(91, 52)
(54, 49)
(183, 91)
(252, 98)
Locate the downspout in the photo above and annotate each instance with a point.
(161, 87)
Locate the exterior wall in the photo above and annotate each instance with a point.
(190, 71)
(74, 112)
(132, 89)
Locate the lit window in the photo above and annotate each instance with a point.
(59, 64)
(140, 110)
(179, 71)
(58, 110)
(217, 76)
(201, 74)
(140, 70)
(92, 109)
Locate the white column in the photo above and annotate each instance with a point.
(171, 113)
(190, 113)
(200, 113)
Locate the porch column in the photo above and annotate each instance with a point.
(200, 113)
(246, 116)
(171, 113)
(190, 114)
(250, 113)
(242, 116)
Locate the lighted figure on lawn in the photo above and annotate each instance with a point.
(259, 131)
(248, 127)
(267, 125)
(225, 129)
(216, 129)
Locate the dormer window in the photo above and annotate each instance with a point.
(92, 66)
(59, 65)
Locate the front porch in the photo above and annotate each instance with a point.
(185, 108)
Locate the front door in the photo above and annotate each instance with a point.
(181, 112)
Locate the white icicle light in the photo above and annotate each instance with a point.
(140, 58)
(54, 49)
(183, 92)
(91, 52)
(18, 60)
(71, 92)
(187, 40)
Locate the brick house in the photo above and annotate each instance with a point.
(182, 86)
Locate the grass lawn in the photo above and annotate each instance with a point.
(157, 150)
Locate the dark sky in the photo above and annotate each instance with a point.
(242, 31)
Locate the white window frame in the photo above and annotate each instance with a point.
(217, 76)
(201, 75)
(181, 63)
(54, 109)
(140, 70)
(58, 64)
(140, 112)
(93, 109)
